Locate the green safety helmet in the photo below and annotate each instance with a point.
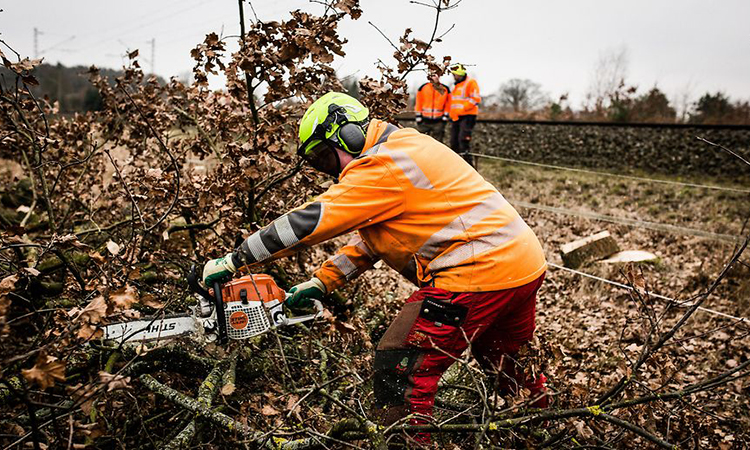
(458, 69)
(335, 120)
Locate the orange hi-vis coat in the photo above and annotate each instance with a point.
(465, 99)
(419, 207)
(432, 102)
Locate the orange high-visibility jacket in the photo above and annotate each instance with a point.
(419, 207)
(465, 99)
(432, 102)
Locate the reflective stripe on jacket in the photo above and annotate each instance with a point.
(432, 102)
(465, 99)
(418, 206)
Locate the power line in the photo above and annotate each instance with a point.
(153, 55)
(683, 304)
(180, 37)
(36, 42)
(125, 22)
(142, 25)
(609, 174)
(656, 226)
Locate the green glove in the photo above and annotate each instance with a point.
(218, 269)
(304, 294)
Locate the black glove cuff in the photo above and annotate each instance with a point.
(237, 259)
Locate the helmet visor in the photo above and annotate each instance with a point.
(323, 157)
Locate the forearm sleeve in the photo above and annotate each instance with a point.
(366, 195)
(351, 261)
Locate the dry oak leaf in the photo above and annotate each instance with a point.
(45, 372)
(8, 284)
(71, 239)
(88, 331)
(636, 279)
(583, 430)
(113, 247)
(91, 315)
(123, 298)
(113, 381)
(150, 300)
(96, 256)
(83, 396)
(269, 410)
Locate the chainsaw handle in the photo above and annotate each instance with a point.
(216, 300)
(195, 286)
(305, 318)
(220, 317)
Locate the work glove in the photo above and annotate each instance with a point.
(418, 119)
(218, 269)
(304, 295)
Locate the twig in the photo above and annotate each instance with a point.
(438, 10)
(193, 226)
(248, 79)
(283, 177)
(105, 229)
(127, 189)
(73, 270)
(195, 406)
(725, 149)
(386, 37)
(312, 391)
(253, 10)
(635, 429)
(206, 394)
(649, 350)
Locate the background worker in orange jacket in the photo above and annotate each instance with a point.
(463, 111)
(428, 214)
(431, 109)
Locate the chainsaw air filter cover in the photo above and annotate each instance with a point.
(245, 320)
(249, 301)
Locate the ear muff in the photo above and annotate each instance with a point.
(352, 137)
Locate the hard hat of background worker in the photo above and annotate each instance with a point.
(458, 70)
(334, 122)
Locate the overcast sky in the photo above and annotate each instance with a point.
(683, 46)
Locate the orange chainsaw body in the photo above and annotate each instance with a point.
(244, 290)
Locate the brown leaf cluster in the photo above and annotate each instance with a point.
(46, 371)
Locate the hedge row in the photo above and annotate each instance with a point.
(668, 151)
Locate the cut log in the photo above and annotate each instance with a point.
(633, 256)
(577, 253)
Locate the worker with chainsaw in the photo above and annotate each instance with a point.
(463, 110)
(431, 108)
(425, 212)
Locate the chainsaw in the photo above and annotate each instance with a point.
(238, 309)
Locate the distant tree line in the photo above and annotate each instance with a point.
(521, 98)
(69, 87)
(609, 98)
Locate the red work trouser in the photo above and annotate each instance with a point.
(434, 327)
